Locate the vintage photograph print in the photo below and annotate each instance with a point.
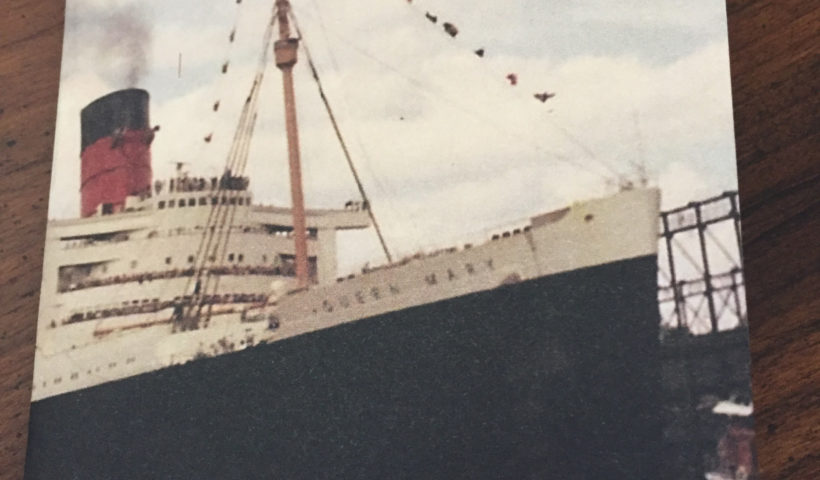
(386, 239)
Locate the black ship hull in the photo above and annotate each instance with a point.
(553, 378)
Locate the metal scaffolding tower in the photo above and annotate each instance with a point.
(702, 291)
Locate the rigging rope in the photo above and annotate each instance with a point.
(345, 150)
(379, 183)
(221, 217)
(223, 205)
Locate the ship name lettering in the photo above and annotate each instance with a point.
(394, 289)
(344, 301)
(450, 274)
(374, 292)
(490, 264)
(469, 267)
(431, 279)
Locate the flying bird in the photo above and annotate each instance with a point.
(216, 106)
(450, 29)
(544, 96)
(208, 138)
(431, 17)
(479, 52)
(513, 78)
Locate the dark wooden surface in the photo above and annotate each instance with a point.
(775, 54)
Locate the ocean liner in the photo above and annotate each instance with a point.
(187, 332)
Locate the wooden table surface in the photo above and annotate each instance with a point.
(775, 54)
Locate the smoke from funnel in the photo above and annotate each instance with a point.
(129, 32)
(119, 37)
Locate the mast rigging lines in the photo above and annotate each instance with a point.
(342, 143)
(214, 241)
(216, 235)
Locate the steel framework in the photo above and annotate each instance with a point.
(702, 292)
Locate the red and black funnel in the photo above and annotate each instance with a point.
(116, 150)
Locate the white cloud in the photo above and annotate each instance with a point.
(429, 123)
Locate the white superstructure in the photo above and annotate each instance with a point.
(103, 319)
(124, 271)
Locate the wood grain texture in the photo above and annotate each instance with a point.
(30, 45)
(775, 54)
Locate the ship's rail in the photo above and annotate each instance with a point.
(198, 230)
(234, 270)
(188, 184)
(499, 236)
(145, 305)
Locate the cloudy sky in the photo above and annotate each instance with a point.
(447, 149)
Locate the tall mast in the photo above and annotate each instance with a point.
(285, 53)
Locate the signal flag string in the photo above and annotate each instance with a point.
(513, 79)
(453, 31)
(225, 66)
(422, 86)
